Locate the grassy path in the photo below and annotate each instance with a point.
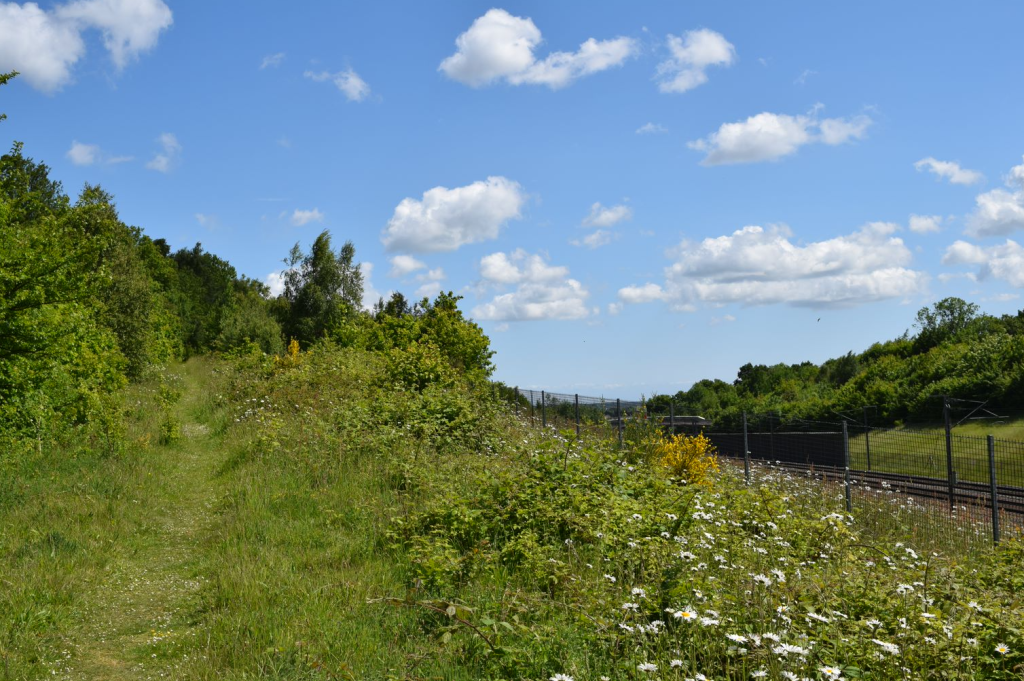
(147, 595)
(101, 553)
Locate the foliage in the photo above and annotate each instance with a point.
(689, 457)
(321, 287)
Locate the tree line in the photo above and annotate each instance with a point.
(954, 350)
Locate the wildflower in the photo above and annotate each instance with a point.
(1002, 649)
(610, 578)
(890, 648)
(685, 615)
(784, 649)
(831, 672)
(708, 622)
(639, 593)
(763, 579)
(874, 624)
(903, 589)
(675, 663)
(973, 605)
(818, 617)
(647, 667)
(635, 607)
(561, 677)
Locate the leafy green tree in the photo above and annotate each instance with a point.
(322, 288)
(942, 321)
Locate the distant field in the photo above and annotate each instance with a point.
(923, 452)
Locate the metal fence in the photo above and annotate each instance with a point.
(978, 481)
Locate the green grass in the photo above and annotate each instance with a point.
(316, 519)
(923, 452)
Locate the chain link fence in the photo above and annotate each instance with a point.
(977, 481)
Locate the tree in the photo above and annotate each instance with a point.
(322, 288)
(944, 320)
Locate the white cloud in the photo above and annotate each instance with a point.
(755, 266)
(768, 137)
(88, 154)
(606, 217)
(209, 221)
(614, 308)
(272, 60)
(802, 78)
(724, 319)
(168, 158)
(445, 219)
(402, 265)
(500, 46)
(651, 129)
(692, 54)
(275, 281)
(999, 211)
(83, 154)
(641, 294)
(925, 224)
(371, 296)
(348, 81)
(949, 170)
(1005, 261)
(542, 291)
(44, 45)
(300, 217)
(596, 239)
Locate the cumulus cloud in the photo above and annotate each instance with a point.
(445, 219)
(301, 218)
(45, 45)
(272, 60)
(371, 296)
(691, 55)
(595, 239)
(500, 46)
(651, 129)
(949, 170)
(165, 160)
(88, 154)
(83, 154)
(757, 266)
(999, 211)
(769, 137)
(925, 224)
(348, 81)
(542, 291)
(402, 265)
(606, 217)
(1004, 262)
(275, 282)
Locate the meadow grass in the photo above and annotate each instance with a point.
(318, 518)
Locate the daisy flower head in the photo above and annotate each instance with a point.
(561, 677)
(1003, 649)
(686, 615)
(647, 667)
(831, 672)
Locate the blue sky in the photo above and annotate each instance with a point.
(630, 197)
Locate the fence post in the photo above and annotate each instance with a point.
(846, 463)
(867, 438)
(746, 451)
(577, 415)
(543, 410)
(994, 487)
(618, 419)
(950, 473)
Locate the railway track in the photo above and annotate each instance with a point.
(1011, 499)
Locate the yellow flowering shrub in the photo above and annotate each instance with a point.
(691, 458)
